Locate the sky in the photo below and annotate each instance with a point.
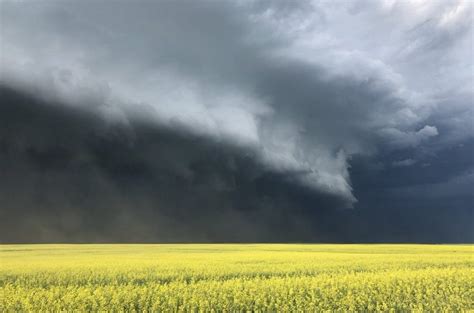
(236, 121)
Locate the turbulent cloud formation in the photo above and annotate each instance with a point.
(252, 120)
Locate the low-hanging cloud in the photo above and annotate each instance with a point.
(280, 95)
(68, 175)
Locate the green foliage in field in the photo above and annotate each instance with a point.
(236, 278)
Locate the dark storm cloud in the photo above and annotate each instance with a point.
(173, 119)
(66, 176)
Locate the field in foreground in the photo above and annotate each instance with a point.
(234, 277)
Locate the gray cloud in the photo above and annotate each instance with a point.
(68, 176)
(301, 88)
(405, 162)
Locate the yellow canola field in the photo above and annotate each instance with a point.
(236, 277)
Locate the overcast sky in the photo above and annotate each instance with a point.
(342, 121)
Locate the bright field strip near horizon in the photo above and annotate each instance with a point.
(236, 277)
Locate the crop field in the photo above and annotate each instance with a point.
(236, 277)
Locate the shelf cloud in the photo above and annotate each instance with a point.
(236, 121)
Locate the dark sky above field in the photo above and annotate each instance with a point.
(172, 121)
